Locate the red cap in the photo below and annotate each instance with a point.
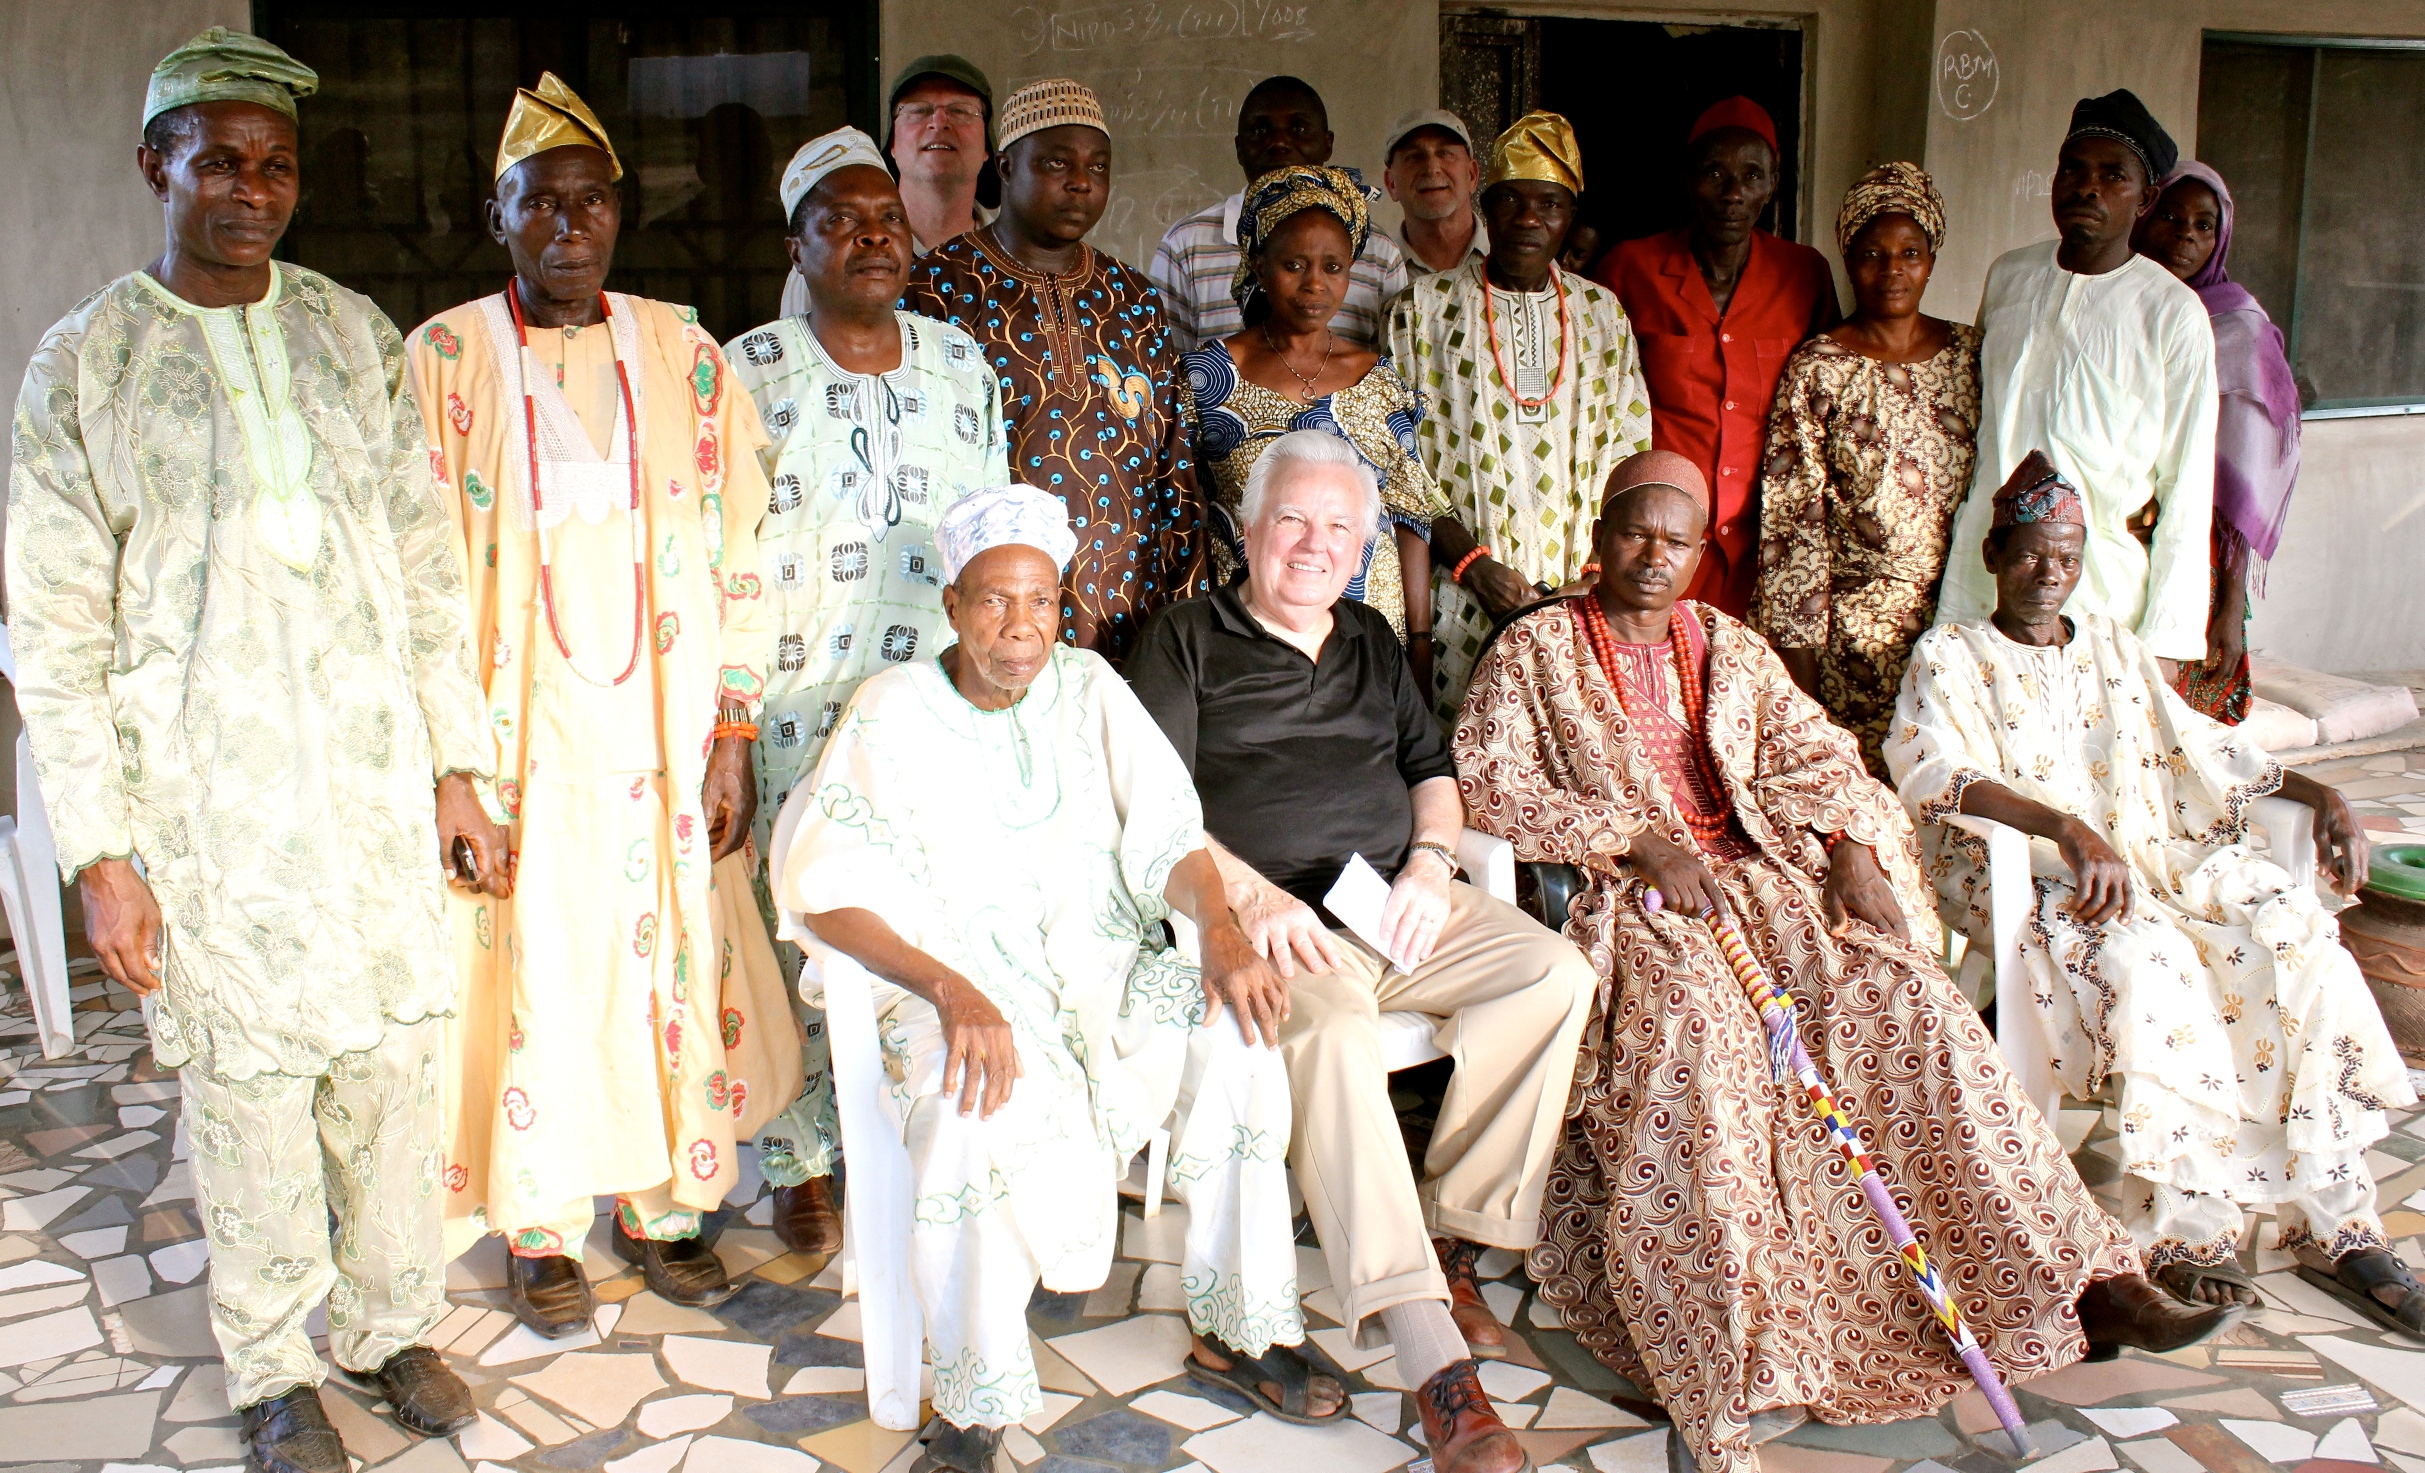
(1735, 112)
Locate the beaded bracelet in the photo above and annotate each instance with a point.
(745, 730)
(1457, 573)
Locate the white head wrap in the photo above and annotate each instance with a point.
(822, 155)
(998, 516)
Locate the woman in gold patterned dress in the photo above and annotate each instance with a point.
(1870, 446)
(1302, 228)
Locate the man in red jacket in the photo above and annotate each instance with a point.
(1718, 306)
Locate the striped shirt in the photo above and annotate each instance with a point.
(1200, 254)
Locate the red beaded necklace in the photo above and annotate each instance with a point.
(1490, 328)
(1708, 831)
(538, 499)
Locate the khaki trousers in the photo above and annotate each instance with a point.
(1508, 998)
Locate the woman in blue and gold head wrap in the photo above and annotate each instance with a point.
(1301, 229)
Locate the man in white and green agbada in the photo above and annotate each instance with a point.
(997, 834)
(237, 613)
(878, 419)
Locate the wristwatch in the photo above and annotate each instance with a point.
(1447, 855)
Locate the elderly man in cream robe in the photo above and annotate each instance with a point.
(2253, 1067)
(997, 835)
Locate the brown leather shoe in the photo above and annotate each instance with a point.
(291, 1433)
(1485, 1338)
(549, 1294)
(426, 1396)
(1461, 1431)
(2129, 1311)
(682, 1271)
(808, 1217)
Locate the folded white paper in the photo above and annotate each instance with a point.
(1358, 899)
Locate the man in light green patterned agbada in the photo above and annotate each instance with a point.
(236, 607)
(998, 834)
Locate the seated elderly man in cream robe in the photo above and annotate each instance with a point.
(2254, 1066)
(998, 833)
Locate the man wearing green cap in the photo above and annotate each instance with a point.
(237, 614)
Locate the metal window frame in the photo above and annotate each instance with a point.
(2316, 46)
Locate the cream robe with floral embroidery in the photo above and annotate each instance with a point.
(2253, 1062)
(623, 1020)
(1027, 850)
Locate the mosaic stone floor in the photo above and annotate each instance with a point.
(106, 1360)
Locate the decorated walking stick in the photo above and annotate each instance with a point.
(1788, 1059)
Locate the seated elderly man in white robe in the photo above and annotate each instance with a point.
(999, 833)
(2253, 1067)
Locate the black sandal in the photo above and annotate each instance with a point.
(1281, 1364)
(2359, 1272)
(958, 1449)
(2181, 1281)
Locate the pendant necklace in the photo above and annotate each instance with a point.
(1330, 345)
(538, 497)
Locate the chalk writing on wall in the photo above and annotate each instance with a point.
(1097, 27)
(1967, 75)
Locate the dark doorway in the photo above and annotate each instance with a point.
(1495, 67)
(704, 107)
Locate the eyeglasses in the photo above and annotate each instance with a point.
(963, 114)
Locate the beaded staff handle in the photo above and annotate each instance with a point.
(1789, 1060)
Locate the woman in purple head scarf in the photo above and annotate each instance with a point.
(2256, 434)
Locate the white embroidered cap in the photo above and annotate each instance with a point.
(822, 155)
(998, 516)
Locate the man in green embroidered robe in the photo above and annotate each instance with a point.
(237, 615)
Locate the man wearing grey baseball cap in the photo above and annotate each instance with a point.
(1428, 167)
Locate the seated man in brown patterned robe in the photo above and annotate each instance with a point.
(1699, 1233)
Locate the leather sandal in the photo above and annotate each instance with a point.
(959, 1449)
(550, 1294)
(2359, 1272)
(291, 1433)
(1485, 1337)
(2181, 1280)
(808, 1217)
(426, 1396)
(1281, 1366)
(1461, 1430)
(2130, 1311)
(684, 1271)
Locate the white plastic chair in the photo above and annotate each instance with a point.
(876, 1188)
(2289, 826)
(29, 890)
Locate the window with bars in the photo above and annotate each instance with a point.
(2322, 140)
(704, 110)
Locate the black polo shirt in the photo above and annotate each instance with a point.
(1300, 763)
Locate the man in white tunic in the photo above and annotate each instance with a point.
(877, 420)
(1535, 392)
(2105, 361)
(997, 835)
(237, 614)
(2253, 1066)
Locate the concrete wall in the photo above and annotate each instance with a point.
(1172, 73)
(72, 75)
(2338, 595)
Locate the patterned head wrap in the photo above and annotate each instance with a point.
(1657, 468)
(1734, 112)
(1892, 189)
(1051, 103)
(1283, 194)
(821, 156)
(998, 516)
(221, 65)
(2120, 115)
(2037, 492)
(553, 116)
(1540, 146)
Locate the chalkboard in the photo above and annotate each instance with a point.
(1171, 74)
